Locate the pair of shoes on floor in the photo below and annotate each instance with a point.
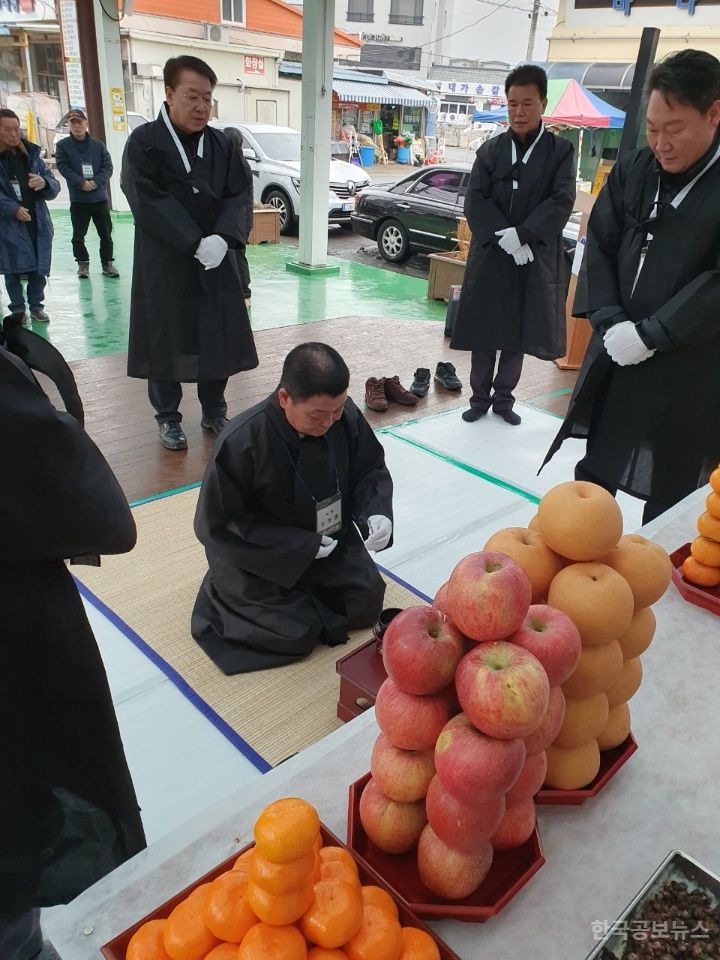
(509, 416)
(172, 435)
(445, 375)
(108, 269)
(379, 391)
(39, 316)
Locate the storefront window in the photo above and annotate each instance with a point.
(412, 120)
(49, 73)
(11, 72)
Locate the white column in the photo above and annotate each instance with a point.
(317, 70)
(112, 89)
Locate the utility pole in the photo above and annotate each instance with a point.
(533, 29)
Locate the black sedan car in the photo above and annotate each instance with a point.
(416, 215)
(419, 214)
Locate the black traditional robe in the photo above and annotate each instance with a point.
(186, 323)
(504, 306)
(653, 429)
(68, 811)
(265, 600)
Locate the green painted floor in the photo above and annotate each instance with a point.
(89, 318)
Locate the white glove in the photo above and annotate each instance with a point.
(327, 546)
(523, 255)
(624, 345)
(211, 251)
(509, 240)
(380, 531)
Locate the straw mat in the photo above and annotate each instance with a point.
(153, 589)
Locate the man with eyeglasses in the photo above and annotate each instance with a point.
(648, 396)
(290, 484)
(187, 189)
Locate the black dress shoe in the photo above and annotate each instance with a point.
(473, 414)
(214, 424)
(421, 383)
(509, 416)
(172, 436)
(446, 376)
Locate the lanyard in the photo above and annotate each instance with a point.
(529, 150)
(675, 202)
(176, 140)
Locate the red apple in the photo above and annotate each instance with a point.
(475, 768)
(552, 637)
(394, 827)
(448, 873)
(550, 725)
(517, 825)
(488, 595)
(462, 826)
(503, 689)
(402, 775)
(411, 722)
(530, 780)
(421, 649)
(440, 601)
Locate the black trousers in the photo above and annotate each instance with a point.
(165, 396)
(490, 388)
(244, 269)
(81, 214)
(652, 509)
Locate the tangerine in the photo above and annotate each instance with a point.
(335, 914)
(379, 898)
(227, 913)
(264, 942)
(715, 480)
(700, 574)
(339, 870)
(324, 953)
(224, 951)
(279, 910)
(286, 829)
(379, 937)
(338, 853)
(712, 504)
(418, 945)
(186, 937)
(244, 860)
(279, 878)
(708, 526)
(706, 551)
(147, 942)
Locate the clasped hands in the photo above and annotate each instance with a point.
(211, 251)
(379, 533)
(510, 243)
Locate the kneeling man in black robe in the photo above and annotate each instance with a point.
(294, 485)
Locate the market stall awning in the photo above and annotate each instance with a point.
(569, 105)
(354, 92)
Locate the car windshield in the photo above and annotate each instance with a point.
(279, 146)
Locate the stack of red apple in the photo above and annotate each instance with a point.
(577, 558)
(461, 785)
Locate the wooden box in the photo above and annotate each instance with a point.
(266, 226)
(446, 269)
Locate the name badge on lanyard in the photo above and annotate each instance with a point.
(16, 187)
(87, 171)
(329, 514)
(180, 149)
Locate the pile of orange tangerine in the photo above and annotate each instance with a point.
(702, 567)
(287, 898)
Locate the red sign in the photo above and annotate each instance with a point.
(255, 65)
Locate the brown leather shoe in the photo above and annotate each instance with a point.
(396, 392)
(375, 398)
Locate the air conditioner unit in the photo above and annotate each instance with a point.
(217, 33)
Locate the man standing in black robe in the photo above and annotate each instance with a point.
(648, 395)
(520, 195)
(68, 811)
(188, 191)
(289, 485)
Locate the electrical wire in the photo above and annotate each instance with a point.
(497, 6)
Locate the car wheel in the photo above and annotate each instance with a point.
(280, 200)
(393, 242)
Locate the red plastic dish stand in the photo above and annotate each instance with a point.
(117, 948)
(510, 871)
(361, 674)
(706, 597)
(610, 763)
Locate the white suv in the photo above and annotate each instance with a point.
(274, 157)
